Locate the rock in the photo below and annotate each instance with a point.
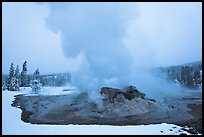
(132, 92)
(120, 98)
(113, 94)
(110, 93)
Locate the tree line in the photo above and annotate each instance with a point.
(15, 79)
(187, 75)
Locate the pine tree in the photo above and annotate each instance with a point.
(16, 79)
(4, 87)
(196, 77)
(11, 71)
(16, 74)
(9, 80)
(183, 72)
(13, 84)
(6, 82)
(189, 76)
(12, 80)
(36, 74)
(24, 77)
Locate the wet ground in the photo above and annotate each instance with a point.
(78, 109)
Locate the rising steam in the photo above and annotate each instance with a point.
(115, 47)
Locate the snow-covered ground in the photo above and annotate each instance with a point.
(49, 91)
(12, 124)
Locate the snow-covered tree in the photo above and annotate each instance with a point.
(35, 83)
(13, 86)
(24, 82)
(16, 79)
(12, 81)
(16, 74)
(196, 77)
(36, 75)
(4, 87)
(6, 82)
(11, 71)
(9, 80)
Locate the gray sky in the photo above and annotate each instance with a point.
(68, 37)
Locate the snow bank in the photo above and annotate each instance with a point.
(12, 124)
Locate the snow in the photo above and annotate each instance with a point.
(12, 124)
(177, 83)
(49, 91)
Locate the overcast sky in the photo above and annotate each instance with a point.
(60, 37)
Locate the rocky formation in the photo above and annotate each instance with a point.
(132, 92)
(111, 93)
(127, 102)
(79, 109)
(129, 93)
